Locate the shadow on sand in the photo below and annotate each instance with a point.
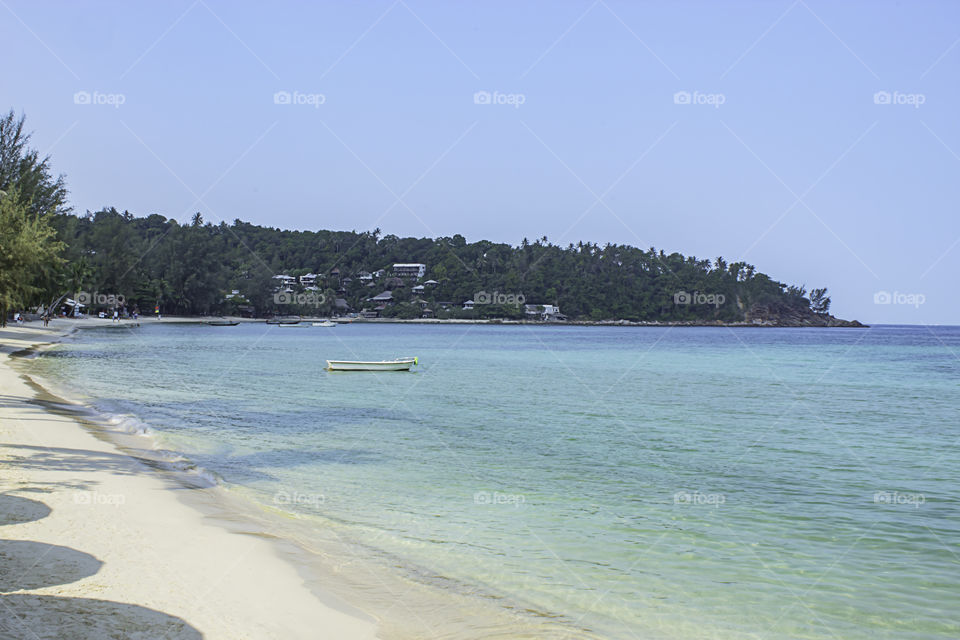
(52, 617)
(26, 564)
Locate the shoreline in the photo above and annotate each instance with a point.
(83, 523)
(833, 323)
(347, 584)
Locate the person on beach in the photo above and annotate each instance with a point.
(116, 315)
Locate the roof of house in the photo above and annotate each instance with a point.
(383, 295)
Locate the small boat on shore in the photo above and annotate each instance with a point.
(283, 321)
(400, 364)
(325, 323)
(294, 325)
(221, 323)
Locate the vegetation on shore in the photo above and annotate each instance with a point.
(189, 269)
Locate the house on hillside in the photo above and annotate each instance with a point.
(468, 305)
(309, 280)
(409, 270)
(284, 282)
(385, 297)
(341, 305)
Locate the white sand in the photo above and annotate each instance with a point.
(95, 544)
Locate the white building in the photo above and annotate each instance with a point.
(409, 270)
(543, 311)
(284, 282)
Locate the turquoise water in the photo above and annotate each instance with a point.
(634, 482)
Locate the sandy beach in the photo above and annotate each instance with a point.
(95, 543)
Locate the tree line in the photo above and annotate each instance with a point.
(46, 251)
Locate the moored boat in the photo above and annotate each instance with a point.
(325, 323)
(221, 323)
(400, 364)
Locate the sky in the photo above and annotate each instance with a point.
(816, 140)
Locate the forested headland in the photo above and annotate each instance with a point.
(48, 253)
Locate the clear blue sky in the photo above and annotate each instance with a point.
(799, 171)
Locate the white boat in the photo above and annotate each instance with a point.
(400, 364)
(297, 325)
(325, 323)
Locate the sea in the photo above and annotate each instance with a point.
(530, 481)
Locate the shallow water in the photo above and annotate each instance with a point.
(636, 482)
